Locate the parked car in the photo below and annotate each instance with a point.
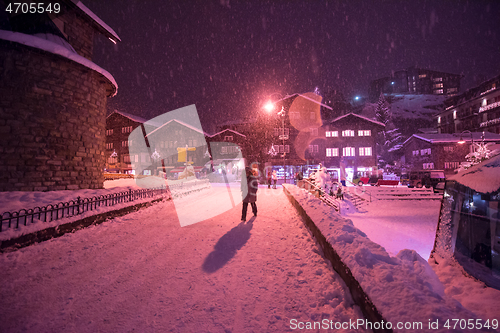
(427, 178)
(361, 181)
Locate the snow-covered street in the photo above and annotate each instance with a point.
(144, 273)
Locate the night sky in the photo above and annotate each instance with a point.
(227, 57)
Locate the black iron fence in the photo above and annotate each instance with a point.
(75, 207)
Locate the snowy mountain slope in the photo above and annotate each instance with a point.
(410, 112)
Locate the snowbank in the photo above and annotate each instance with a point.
(404, 289)
(482, 177)
(471, 293)
(16, 200)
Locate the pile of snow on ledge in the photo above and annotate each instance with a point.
(403, 288)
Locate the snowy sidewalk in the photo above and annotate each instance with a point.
(143, 272)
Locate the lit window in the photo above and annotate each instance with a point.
(335, 133)
(109, 132)
(330, 152)
(454, 112)
(127, 129)
(421, 76)
(439, 120)
(328, 134)
(348, 151)
(451, 165)
(348, 133)
(364, 132)
(125, 143)
(365, 151)
(109, 145)
(226, 138)
(428, 166)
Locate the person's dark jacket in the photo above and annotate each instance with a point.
(252, 187)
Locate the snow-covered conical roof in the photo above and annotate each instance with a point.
(483, 177)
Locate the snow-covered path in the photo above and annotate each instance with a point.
(144, 273)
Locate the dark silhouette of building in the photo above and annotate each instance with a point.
(416, 81)
(477, 109)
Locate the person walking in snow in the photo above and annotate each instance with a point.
(249, 190)
(339, 194)
(269, 176)
(275, 178)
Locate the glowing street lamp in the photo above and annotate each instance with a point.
(462, 141)
(269, 106)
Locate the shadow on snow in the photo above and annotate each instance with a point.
(227, 246)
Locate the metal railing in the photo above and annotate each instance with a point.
(186, 185)
(53, 212)
(322, 194)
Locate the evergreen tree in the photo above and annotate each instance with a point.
(391, 139)
(383, 110)
(481, 153)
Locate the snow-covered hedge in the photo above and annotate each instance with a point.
(404, 289)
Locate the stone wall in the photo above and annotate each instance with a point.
(52, 121)
(78, 32)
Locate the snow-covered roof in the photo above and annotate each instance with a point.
(455, 137)
(55, 39)
(483, 177)
(51, 47)
(132, 117)
(359, 116)
(304, 96)
(181, 123)
(110, 33)
(239, 122)
(227, 129)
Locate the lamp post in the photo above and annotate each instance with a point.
(282, 114)
(155, 157)
(462, 141)
(270, 107)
